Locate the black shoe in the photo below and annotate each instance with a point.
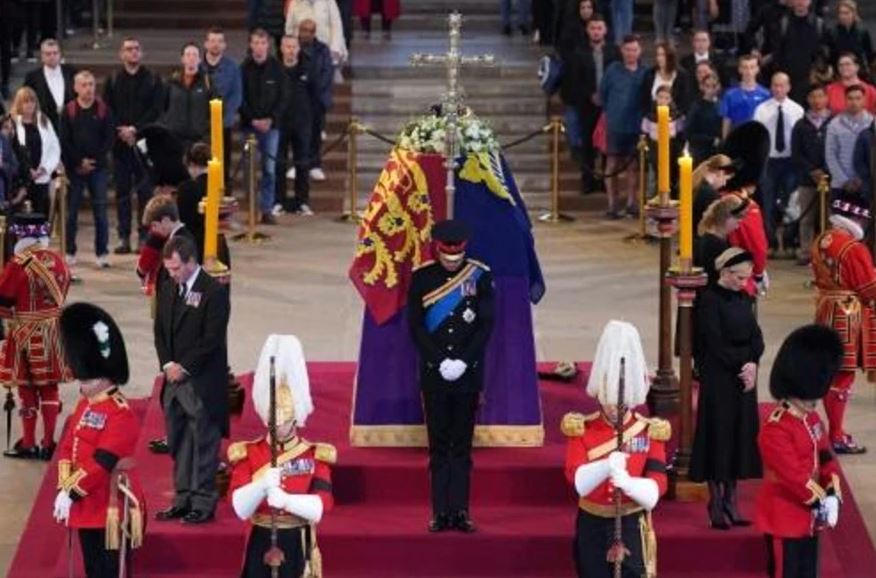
(159, 446)
(268, 219)
(46, 452)
(506, 30)
(525, 30)
(20, 453)
(124, 248)
(463, 523)
(439, 523)
(173, 513)
(730, 507)
(848, 446)
(196, 517)
(717, 521)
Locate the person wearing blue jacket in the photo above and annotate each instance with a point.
(224, 74)
(320, 56)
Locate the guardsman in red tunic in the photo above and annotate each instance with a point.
(595, 466)
(33, 288)
(751, 236)
(800, 494)
(846, 282)
(98, 494)
(298, 490)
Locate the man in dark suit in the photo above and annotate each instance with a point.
(584, 67)
(52, 82)
(702, 51)
(191, 326)
(450, 312)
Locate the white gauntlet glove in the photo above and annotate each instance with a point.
(305, 506)
(63, 502)
(246, 499)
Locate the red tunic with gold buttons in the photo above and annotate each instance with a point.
(592, 438)
(33, 288)
(751, 236)
(305, 468)
(799, 470)
(101, 433)
(846, 283)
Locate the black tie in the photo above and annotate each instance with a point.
(780, 131)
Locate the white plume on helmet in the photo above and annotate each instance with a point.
(619, 340)
(293, 384)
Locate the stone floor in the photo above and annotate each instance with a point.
(296, 283)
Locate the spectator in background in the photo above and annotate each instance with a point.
(264, 101)
(253, 10)
(779, 114)
(7, 7)
(295, 128)
(584, 70)
(801, 37)
(863, 160)
(701, 51)
(665, 13)
(321, 70)
(703, 122)
(135, 95)
(87, 133)
(272, 19)
(849, 75)
(840, 140)
(663, 97)
(328, 26)
(388, 10)
(523, 13)
(620, 94)
(224, 75)
(52, 82)
(850, 35)
(621, 19)
(573, 32)
(764, 29)
(9, 169)
(34, 133)
(665, 72)
(807, 152)
(738, 103)
(186, 112)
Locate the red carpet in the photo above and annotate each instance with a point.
(523, 507)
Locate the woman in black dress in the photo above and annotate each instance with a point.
(730, 345)
(37, 138)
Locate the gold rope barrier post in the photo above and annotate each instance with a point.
(61, 200)
(352, 215)
(554, 215)
(823, 193)
(252, 235)
(641, 234)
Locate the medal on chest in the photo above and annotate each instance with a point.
(469, 315)
(299, 467)
(93, 420)
(469, 288)
(639, 445)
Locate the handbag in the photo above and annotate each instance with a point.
(600, 134)
(550, 73)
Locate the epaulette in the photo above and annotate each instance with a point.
(573, 424)
(776, 415)
(423, 265)
(479, 264)
(120, 400)
(659, 429)
(326, 453)
(237, 452)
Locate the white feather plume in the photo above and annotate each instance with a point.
(289, 366)
(619, 340)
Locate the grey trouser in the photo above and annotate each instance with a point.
(809, 208)
(193, 439)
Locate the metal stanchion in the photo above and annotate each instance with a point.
(352, 215)
(555, 216)
(823, 188)
(61, 211)
(252, 235)
(59, 21)
(110, 15)
(95, 24)
(641, 234)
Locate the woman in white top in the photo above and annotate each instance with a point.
(666, 72)
(36, 136)
(329, 26)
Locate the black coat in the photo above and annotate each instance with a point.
(689, 64)
(196, 338)
(808, 149)
(135, 99)
(36, 80)
(855, 40)
(704, 195)
(264, 91)
(186, 110)
(462, 335)
(188, 196)
(702, 126)
(302, 92)
(86, 134)
(728, 336)
(707, 248)
(579, 73)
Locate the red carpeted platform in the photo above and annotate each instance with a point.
(523, 507)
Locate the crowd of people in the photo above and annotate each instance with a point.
(138, 129)
(788, 69)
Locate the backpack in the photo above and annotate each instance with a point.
(550, 74)
(72, 108)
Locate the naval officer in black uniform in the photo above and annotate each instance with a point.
(450, 311)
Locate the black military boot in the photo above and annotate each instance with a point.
(731, 505)
(717, 521)
(439, 523)
(463, 523)
(22, 453)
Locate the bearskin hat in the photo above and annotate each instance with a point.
(93, 345)
(806, 363)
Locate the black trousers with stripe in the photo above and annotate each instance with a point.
(792, 557)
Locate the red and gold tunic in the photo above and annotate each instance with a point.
(101, 433)
(33, 288)
(799, 470)
(846, 283)
(305, 468)
(592, 438)
(751, 236)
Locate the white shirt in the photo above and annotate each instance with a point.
(185, 289)
(767, 114)
(704, 57)
(658, 82)
(55, 80)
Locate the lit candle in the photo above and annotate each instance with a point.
(663, 153)
(685, 166)
(216, 143)
(211, 210)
